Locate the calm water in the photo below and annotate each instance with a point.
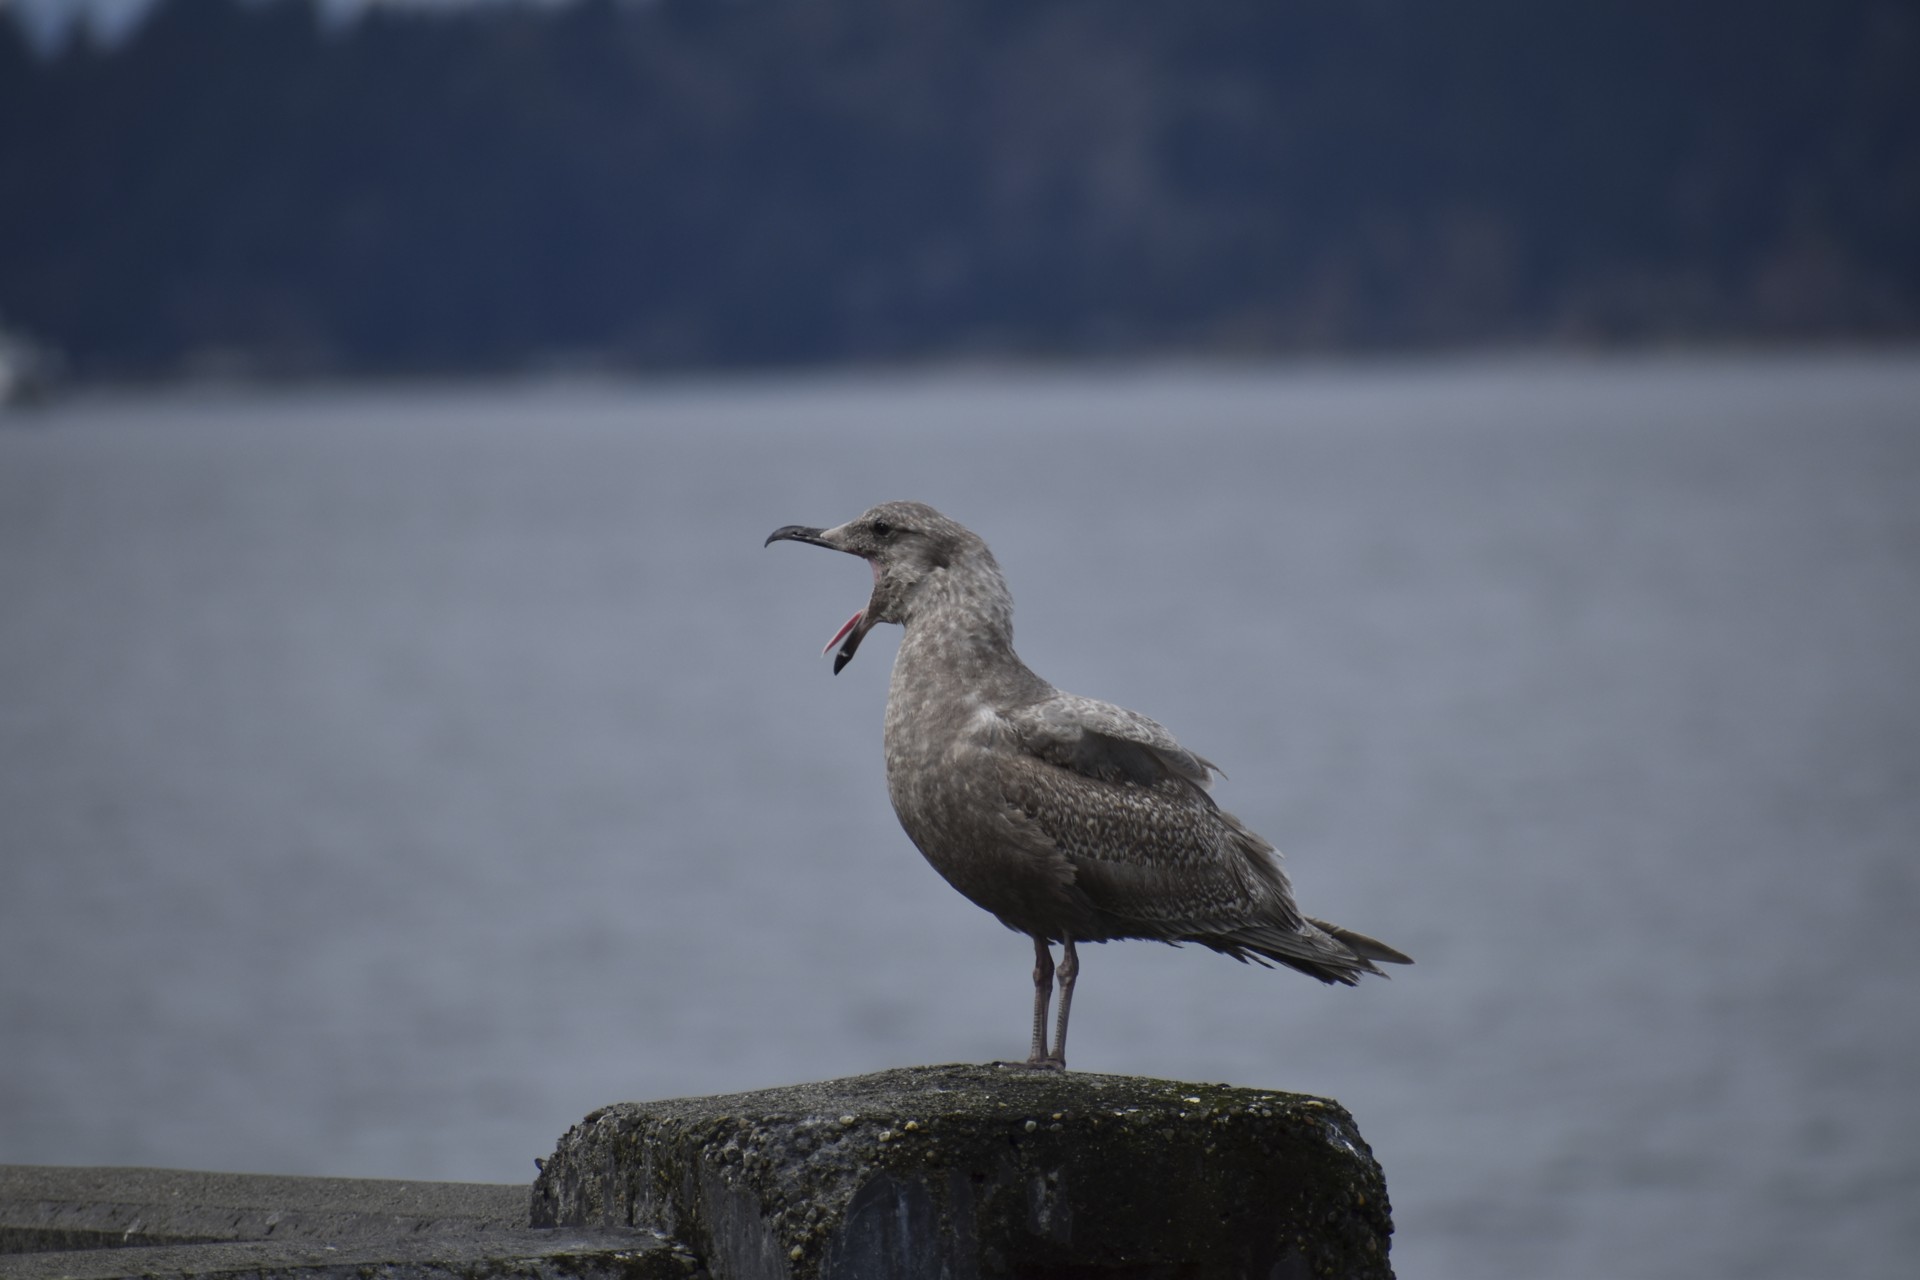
(389, 777)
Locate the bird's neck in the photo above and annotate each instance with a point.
(959, 639)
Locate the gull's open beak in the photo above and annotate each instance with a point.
(799, 533)
(849, 636)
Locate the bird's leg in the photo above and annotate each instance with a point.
(1042, 993)
(1069, 970)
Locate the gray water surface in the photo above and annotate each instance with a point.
(389, 777)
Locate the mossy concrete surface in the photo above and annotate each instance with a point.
(959, 1172)
(104, 1224)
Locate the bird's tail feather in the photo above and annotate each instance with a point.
(1361, 945)
(1321, 950)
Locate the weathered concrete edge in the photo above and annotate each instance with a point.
(535, 1255)
(765, 1183)
(106, 1224)
(56, 1207)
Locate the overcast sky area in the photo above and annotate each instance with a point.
(49, 21)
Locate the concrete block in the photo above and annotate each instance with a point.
(958, 1172)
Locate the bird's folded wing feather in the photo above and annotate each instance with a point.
(1106, 742)
(1124, 801)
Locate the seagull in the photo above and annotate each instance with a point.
(1071, 820)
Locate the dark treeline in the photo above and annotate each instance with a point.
(724, 181)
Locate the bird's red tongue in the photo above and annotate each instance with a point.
(841, 634)
(848, 638)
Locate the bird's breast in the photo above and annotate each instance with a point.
(927, 744)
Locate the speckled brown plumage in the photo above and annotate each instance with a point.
(1071, 820)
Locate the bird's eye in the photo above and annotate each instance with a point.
(881, 528)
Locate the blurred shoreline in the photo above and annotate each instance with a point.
(244, 188)
(230, 379)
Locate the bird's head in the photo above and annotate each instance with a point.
(909, 545)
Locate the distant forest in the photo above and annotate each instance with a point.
(720, 182)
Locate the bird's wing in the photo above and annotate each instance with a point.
(1100, 740)
(1118, 796)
